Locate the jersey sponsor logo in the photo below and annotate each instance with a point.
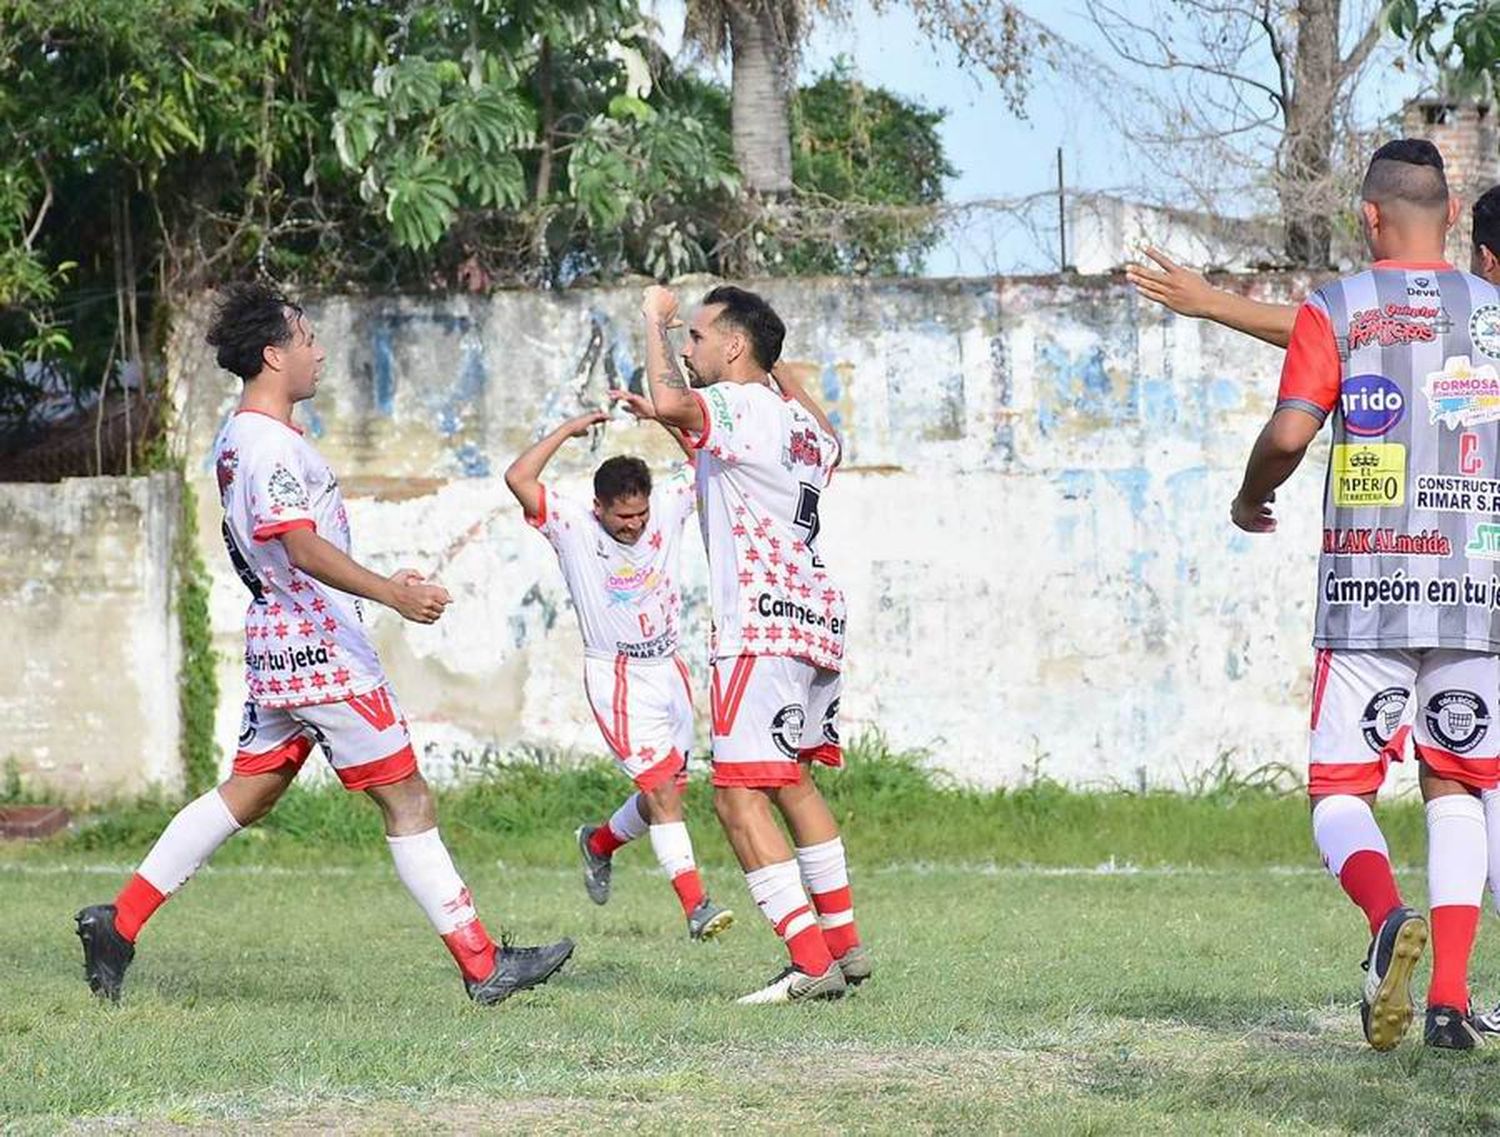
(1470, 460)
(1422, 286)
(1450, 493)
(803, 449)
(768, 607)
(1369, 475)
(1372, 405)
(1382, 717)
(1382, 542)
(1484, 543)
(786, 729)
(718, 409)
(1462, 394)
(1484, 330)
(1394, 324)
(628, 583)
(286, 491)
(1457, 719)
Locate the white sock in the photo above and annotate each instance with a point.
(627, 823)
(778, 893)
(1456, 853)
(189, 839)
(1344, 825)
(824, 867)
(424, 866)
(1491, 799)
(673, 848)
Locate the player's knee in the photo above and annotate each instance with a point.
(664, 803)
(250, 799)
(407, 805)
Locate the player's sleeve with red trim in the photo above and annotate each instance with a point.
(276, 492)
(1311, 373)
(559, 515)
(738, 423)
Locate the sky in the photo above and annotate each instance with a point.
(999, 155)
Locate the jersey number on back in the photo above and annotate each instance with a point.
(807, 519)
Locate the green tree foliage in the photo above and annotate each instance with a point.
(1463, 37)
(161, 145)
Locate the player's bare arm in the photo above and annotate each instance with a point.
(674, 404)
(786, 379)
(1188, 293)
(405, 591)
(524, 476)
(641, 408)
(1275, 457)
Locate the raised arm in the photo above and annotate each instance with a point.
(524, 476)
(674, 404)
(642, 409)
(405, 591)
(1189, 294)
(786, 378)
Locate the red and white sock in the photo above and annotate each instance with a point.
(627, 823)
(1355, 852)
(826, 874)
(777, 891)
(189, 839)
(424, 866)
(674, 852)
(1456, 869)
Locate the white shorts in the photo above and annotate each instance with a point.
(644, 708)
(772, 714)
(364, 738)
(1364, 712)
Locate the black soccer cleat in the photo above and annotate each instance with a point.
(1448, 1028)
(1385, 1006)
(596, 869)
(1487, 1023)
(516, 969)
(106, 953)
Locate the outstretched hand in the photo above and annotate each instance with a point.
(638, 405)
(580, 425)
(1181, 289)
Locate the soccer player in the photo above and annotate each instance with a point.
(765, 454)
(312, 671)
(622, 561)
(1403, 355)
(1188, 294)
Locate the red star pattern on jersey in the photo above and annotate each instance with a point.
(330, 624)
(305, 629)
(341, 676)
(656, 539)
(319, 604)
(295, 684)
(319, 680)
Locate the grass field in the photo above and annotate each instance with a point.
(294, 985)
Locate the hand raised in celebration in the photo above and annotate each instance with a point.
(659, 305)
(638, 405)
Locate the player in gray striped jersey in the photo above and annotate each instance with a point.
(1188, 293)
(1403, 357)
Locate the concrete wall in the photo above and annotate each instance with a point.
(88, 682)
(1032, 522)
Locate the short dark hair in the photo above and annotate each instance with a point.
(1408, 170)
(621, 477)
(1487, 220)
(247, 319)
(749, 312)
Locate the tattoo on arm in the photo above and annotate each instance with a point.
(672, 376)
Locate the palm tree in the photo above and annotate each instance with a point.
(762, 37)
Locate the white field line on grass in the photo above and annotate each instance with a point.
(897, 868)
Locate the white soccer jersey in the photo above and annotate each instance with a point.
(305, 643)
(628, 597)
(763, 462)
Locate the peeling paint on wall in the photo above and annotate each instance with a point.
(1031, 523)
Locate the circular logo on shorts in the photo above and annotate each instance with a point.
(1484, 330)
(831, 723)
(1372, 405)
(786, 729)
(1382, 717)
(249, 724)
(1459, 720)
